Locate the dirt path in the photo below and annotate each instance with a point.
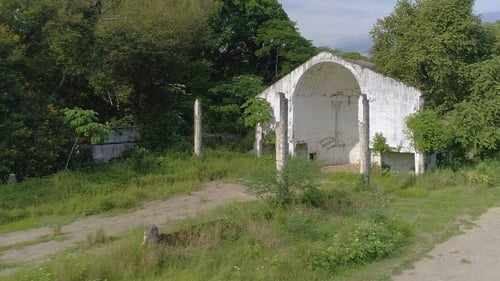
(473, 255)
(212, 195)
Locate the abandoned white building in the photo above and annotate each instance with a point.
(333, 107)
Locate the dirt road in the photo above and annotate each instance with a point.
(472, 255)
(212, 195)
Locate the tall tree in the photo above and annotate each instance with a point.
(144, 48)
(428, 43)
(33, 135)
(243, 45)
(282, 48)
(476, 121)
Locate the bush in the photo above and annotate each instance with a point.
(143, 161)
(296, 183)
(370, 241)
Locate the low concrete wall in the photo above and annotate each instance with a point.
(119, 140)
(402, 162)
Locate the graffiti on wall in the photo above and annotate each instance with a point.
(330, 142)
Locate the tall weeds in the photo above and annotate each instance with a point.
(120, 185)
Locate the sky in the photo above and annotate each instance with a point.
(346, 24)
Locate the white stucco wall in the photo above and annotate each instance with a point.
(324, 111)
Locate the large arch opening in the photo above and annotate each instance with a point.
(325, 115)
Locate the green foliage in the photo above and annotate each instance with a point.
(350, 55)
(476, 121)
(279, 39)
(256, 111)
(354, 56)
(84, 122)
(494, 30)
(370, 241)
(143, 161)
(380, 230)
(428, 43)
(229, 101)
(85, 125)
(144, 49)
(99, 237)
(140, 62)
(236, 25)
(379, 143)
(297, 182)
(121, 184)
(428, 131)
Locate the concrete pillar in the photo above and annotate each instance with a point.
(257, 146)
(282, 133)
(364, 138)
(419, 163)
(197, 127)
(419, 156)
(12, 178)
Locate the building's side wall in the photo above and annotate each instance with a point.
(390, 103)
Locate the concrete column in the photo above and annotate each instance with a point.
(282, 133)
(12, 178)
(419, 156)
(197, 127)
(257, 146)
(364, 138)
(419, 163)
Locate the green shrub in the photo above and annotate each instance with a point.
(296, 183)
(379, 143)
(143, 161)
(370, 241)
(298, 223)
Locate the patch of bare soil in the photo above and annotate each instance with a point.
(212, 195)
(472, 255)
(351, 168)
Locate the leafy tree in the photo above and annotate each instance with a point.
(282, 45)
(55, 43)
(256, 111)
(242, 28)
(429, 132)
(428, 43)
(493, 29)
(139, 62)
(235, 24)
(84, 123)
(33, 136)
(379, 143)
(476, 121)
(226, 103)
(296, 183)
(146, 50)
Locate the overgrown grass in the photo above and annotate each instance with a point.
(122, 185)
(358, 232)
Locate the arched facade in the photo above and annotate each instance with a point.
(325, 110)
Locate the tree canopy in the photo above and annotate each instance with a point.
(133, 62)
(443, 48)
(428, 43)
